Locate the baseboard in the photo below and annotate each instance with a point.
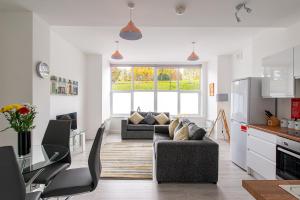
(115, 131)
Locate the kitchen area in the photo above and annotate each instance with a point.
(264, 143)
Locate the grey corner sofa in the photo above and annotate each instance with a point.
(184, 161)
(138, 131)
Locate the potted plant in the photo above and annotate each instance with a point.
(20, 118)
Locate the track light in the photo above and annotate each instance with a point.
(240, 7)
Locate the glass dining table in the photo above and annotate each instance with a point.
(40, 157)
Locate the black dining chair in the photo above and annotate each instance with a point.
(12, 185)
(78, 180)
(57, 133)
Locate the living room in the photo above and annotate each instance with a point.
(172, 76)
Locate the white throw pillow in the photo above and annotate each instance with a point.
(162, 118)
(172, 127)
(136, 118)
(182, 134)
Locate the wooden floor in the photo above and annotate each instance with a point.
(228, 187)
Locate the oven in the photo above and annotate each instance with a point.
(287, 159)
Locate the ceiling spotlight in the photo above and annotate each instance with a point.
(237, 17)
(180, 9)
(239, 7)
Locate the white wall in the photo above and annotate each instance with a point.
(212, 77)
(242, 62)
(69, 62)
(224, 86)
(41, 87)
(15, 65)
(93, 95)
(106, 83)
(219, 72)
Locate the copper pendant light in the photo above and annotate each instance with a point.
(193, 56)
(130, 31)
(117, 55)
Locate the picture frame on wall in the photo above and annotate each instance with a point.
(63, 86)
(211, 89)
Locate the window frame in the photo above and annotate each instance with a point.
(155, 88)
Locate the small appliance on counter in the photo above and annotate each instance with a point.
(291, 124)
(284, 123)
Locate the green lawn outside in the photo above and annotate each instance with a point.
(161, 85)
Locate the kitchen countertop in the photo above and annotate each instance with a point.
(282, 132)
(269, 189)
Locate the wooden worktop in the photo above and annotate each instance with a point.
(282, 132)
(269, 189)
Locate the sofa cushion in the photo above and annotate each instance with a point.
(140, 127)
(162, 118)
(149, 119)
(195, 132)
(172, 127)
(182, 134)
(136, 118)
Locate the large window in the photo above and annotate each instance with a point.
(174, 89)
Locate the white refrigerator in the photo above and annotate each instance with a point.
(247, 107)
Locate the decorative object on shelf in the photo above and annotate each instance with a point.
(117, 55)
(20, 118)
(62, 86)
(271, 119)
(211, 89)
(130, 31)
(42, 70)
(193, 56)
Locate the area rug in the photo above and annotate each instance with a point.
(127, 160)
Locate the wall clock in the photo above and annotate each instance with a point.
(42, 70)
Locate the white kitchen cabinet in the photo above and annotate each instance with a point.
(297, 62)
(261, 153)
(278, 72)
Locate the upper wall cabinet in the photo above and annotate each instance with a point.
(297, 62)
(278, 74)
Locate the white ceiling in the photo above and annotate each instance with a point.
(159, 44)
(212, 13)
(94, 25)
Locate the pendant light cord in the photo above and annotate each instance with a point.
(193, 46)
(130, 14)
(117, 44)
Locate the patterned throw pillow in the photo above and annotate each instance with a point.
(182, 134)
(172, 127)
(149, 119)
(162, 119)
(136, 118)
